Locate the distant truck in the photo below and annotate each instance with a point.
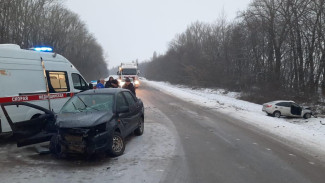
(37, 76)
(129, 70)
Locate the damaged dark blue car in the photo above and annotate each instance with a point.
(90, 122)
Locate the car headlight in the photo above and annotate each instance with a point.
(100, 128)
(136, 82)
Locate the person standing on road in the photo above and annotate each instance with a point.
(115, 83)
(100, 84)
(128, 85)
(109, 83)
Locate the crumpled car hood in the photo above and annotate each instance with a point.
(82, 119)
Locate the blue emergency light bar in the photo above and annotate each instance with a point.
(43, 49)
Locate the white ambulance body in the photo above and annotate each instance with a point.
(42, 78)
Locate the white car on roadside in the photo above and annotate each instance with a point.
(286, 108)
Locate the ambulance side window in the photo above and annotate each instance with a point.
(78, 82)
(58, 81)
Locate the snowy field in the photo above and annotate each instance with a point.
(307, 135)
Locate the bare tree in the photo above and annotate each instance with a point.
(275, 46)
(30, 23)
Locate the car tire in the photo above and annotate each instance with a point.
(140, 129)
(55, 147)
(307, 115)
(117, 146)
(277, 114)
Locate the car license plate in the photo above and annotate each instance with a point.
(73, 138)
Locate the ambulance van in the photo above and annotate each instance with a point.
(37, 76)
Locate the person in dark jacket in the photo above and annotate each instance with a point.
(128, 85)
(115, 83)
(108, 84)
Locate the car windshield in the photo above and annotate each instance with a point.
(83, 103)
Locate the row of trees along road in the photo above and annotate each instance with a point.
(274, 49)
(30, 23)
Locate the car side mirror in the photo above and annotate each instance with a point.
(123, 109)
(91, 86)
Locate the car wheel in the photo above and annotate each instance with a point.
(55, 146)
(118, 146)
(277, 114)
(307, 115)
(140, 129)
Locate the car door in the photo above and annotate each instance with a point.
(33, 131)
(283, 107)
(296, 110)
(135, 108)
(125, 117)
(287, 108)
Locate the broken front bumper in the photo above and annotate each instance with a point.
(81, 141)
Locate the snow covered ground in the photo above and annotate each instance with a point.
(145, 159)
(307, 135)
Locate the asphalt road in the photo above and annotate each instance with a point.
(213, 147)
(182, 143)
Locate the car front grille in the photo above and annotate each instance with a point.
(73, 138)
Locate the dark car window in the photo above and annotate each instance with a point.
(280, 104)
(120, 101)
(288, 104)
(129, 98)
(129, 71)
(78, 82)
(284, 104)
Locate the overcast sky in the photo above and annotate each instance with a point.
(134, 29)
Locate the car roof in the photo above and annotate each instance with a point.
(277, 101)
(103, 91)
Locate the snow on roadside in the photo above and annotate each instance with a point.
(306, 134)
